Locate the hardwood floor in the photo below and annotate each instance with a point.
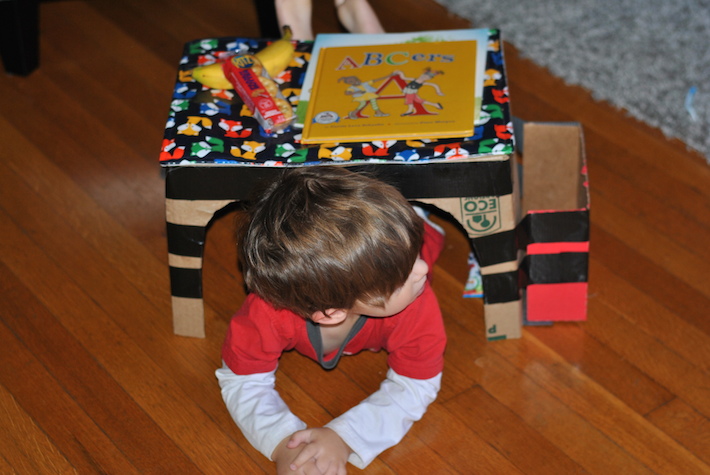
(92, 380)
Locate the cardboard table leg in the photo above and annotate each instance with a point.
(187, 222)
(490, 224)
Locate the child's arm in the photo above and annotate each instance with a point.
(383, 419)
(269, 425)
(435, 86)
(371, 427)
(257, 409)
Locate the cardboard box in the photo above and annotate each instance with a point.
(553, 233)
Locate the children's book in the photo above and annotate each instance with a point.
(480, 36)
(393, 91)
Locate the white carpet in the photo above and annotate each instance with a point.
(645, 56)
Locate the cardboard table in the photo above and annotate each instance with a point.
(214, 152)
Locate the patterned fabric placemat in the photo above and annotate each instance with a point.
(214, 127)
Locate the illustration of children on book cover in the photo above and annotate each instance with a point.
(423, 90)
(365, 93)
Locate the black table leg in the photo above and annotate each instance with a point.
(19, 35)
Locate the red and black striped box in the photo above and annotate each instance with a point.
(553, 233)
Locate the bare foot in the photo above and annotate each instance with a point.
(357, 16)
(297, 15)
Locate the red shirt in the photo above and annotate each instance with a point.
(414, 338)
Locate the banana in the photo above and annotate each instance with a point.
(277, 56)
(212, 76)
(274, 58)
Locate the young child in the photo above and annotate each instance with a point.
(336, 262)
(363, 93)
(411, 90)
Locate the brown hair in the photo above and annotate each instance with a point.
(325, 237)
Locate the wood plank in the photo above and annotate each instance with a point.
(59, 134)
(411, 456)
(650, 315)
(114, 239)
(505, 431)
(586, 353)
(24, 448)
(80, 212)
(90, 75)
(84, 292)
(598, 362)
(510, 350)
(150, 325)
(224, 289)
(680, 262)
(663, 295)
(541, 411)
(134, 433)
(450, 435)
(649, 445)
(172, 408)
(84, 444)
(645, 352)
(690, 232)
(686, 425)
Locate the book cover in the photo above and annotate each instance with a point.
(349, 39)
(397, 91)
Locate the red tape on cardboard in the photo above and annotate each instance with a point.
(556, 247)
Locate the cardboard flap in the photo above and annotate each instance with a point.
(553, 168)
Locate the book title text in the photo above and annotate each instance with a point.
(396, 58)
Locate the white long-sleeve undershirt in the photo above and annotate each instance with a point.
(376, 424)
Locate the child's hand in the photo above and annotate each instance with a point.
(322, 446)
(283, 457)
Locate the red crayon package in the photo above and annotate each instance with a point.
(259, 92)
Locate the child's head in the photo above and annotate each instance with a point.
(324, 237)
(428, 74)
(352, 80)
